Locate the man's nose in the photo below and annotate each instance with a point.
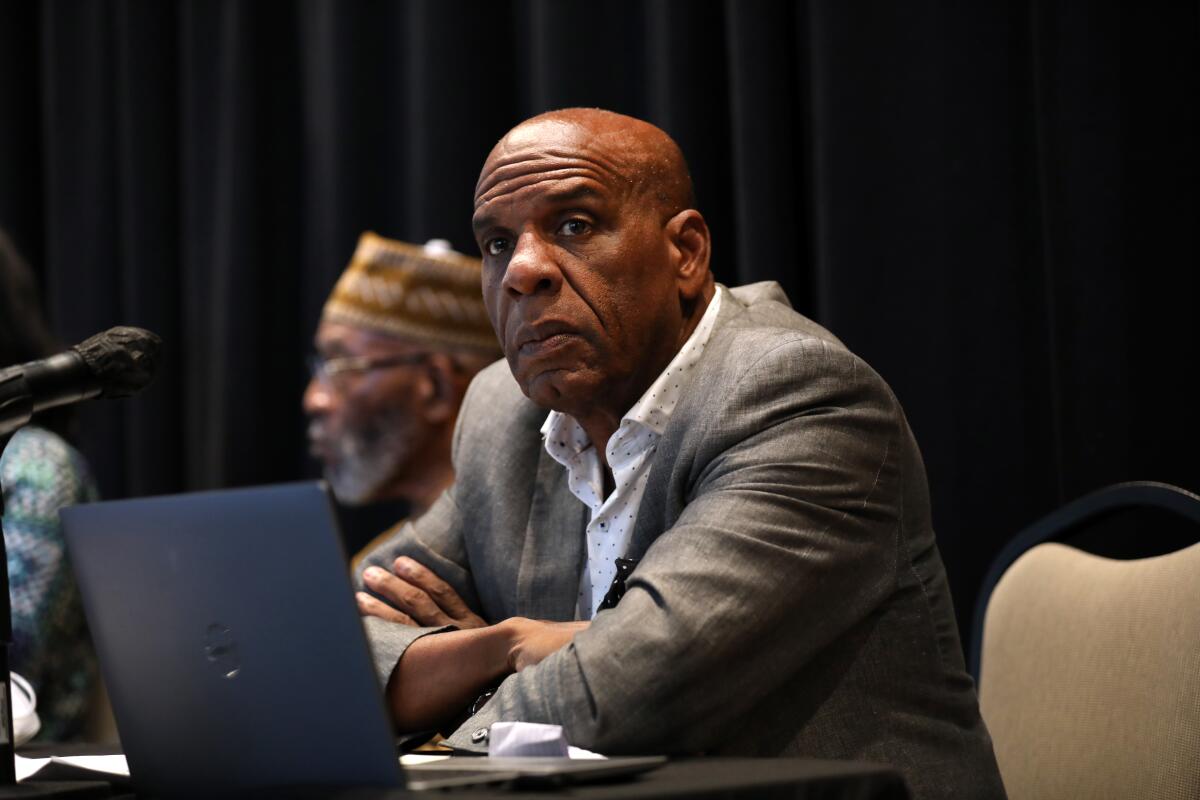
(317, 397)
(531, 267)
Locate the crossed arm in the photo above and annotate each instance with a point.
(439, 676)
(787, 541)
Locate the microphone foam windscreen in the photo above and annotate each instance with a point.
(123, 359)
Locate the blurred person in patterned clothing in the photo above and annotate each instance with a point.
(40, 473)
(399, 339)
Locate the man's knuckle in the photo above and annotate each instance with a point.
(412, 596)
(409, 568)
(385, 583)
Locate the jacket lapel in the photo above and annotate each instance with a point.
(552, 558)
(655, 513)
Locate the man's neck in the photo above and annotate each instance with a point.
(601, 421)
(599, 431)
(428, 473)
(422, 494)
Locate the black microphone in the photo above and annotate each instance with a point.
(117, 363)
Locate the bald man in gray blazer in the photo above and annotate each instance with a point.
(782, 592)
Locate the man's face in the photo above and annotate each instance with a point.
(576, 269)
(363, 424)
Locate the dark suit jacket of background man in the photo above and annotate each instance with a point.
(789, 597)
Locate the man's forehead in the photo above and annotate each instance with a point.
(549, 150)
(354, 340)
(547, 183)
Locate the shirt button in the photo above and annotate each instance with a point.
(479, 736)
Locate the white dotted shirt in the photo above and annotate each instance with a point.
(630, 454)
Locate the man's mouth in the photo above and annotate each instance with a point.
(318, 444)
(543, 338)
(541, 347)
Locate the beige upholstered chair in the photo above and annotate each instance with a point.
(1090, 675)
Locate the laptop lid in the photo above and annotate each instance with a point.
(230, 642)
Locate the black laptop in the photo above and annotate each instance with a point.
(234, 655)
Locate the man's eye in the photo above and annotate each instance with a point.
(573, 227)
(495, 246)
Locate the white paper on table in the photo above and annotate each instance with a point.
(532, 739)
(579, 752)
(25, 767)
(117, 765)
(526, 739)
(409, 759)
(113, 765)
(107, 765)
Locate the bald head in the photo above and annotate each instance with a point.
(641, 158)
(595, 263)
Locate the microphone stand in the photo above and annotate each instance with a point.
(16, 408)
(116, 363)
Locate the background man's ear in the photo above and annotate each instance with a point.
(442, 393)
(692, 246)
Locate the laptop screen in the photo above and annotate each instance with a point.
(229, 641)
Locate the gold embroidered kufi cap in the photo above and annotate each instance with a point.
(429, 294)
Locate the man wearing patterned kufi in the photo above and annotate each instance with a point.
(400, 337)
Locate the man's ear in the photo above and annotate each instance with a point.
(441, 394)
(691, 246)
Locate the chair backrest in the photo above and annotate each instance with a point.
(1090, 675)
(1080, 659)
(1151, 519)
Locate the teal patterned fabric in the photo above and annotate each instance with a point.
(40, 474)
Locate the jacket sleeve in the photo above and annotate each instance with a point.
(436, 540)
(788, 539)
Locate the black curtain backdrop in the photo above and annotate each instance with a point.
(994, 203)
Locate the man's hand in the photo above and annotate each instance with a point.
(532, 640)
(418, 597)
(438, 676)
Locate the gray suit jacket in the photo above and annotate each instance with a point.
(789, 597)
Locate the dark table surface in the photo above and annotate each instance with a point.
(774, 778)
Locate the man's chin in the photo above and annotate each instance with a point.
(351, 491)
(558, 389)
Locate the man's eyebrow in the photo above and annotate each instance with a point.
(575, 193)
(331, 347)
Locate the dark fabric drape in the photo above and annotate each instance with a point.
(995, 204)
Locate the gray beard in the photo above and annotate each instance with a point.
(367, 459)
